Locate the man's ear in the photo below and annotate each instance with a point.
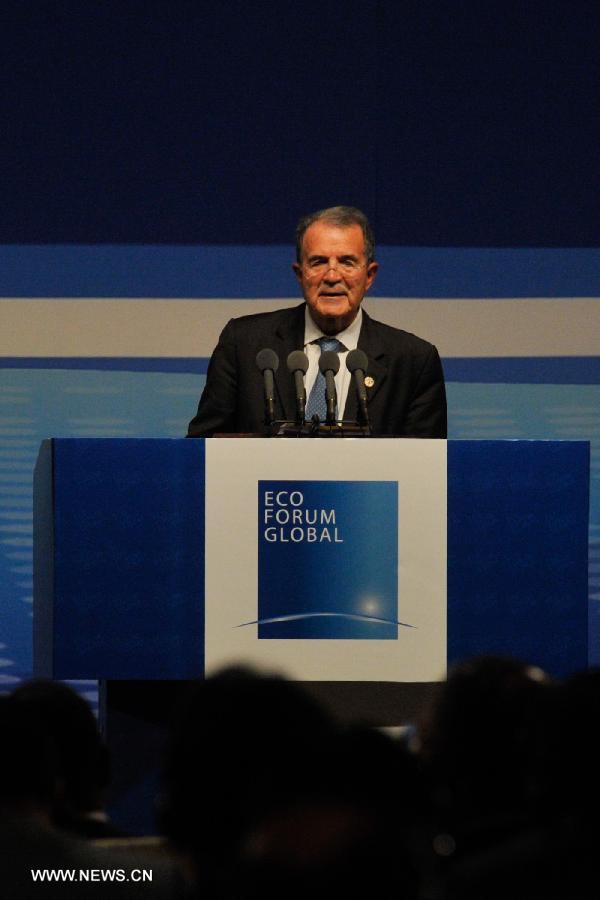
(372, 270)
(297, 271)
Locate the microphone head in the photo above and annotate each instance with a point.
(329, 361)
(357, 359)
(267, 359)
(297, 361)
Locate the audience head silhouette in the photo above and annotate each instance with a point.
(82, 765)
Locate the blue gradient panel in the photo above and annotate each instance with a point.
(554, 412)
(237, 271)
(517, 551)
(129, 559)
(164, 364)
(36, 403)
(343, 535)
(575, 370)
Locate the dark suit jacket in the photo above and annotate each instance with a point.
(407, 398)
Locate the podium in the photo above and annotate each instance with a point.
(358, 561)
(363, 568)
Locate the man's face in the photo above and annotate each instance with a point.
(334, 274)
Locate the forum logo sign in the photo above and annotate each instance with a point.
(328, 560)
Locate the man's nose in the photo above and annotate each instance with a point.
(332, 273)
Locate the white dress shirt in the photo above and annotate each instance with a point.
(348, 337)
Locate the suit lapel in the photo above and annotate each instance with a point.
(289, 335)
(369, 342)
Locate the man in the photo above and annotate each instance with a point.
(335, 267)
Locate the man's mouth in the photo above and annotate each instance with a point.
(333, 294)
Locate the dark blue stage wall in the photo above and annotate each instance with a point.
(156, 157)
(460, 124)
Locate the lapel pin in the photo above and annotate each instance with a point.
(369, 382)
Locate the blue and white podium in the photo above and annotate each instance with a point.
(375, 560)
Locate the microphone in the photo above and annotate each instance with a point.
(356, 363)
(297, 363)
(268, 363)
(329, 364)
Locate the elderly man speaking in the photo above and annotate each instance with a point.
(335, 267)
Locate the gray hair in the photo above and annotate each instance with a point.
(342, 216)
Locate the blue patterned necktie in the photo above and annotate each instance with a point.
(316, 404)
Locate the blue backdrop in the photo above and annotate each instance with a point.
(166, 151)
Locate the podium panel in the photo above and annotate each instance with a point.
(332, 561)
(119, 559)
